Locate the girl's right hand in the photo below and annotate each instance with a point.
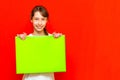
(22, 36)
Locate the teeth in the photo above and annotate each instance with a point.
(38, 26)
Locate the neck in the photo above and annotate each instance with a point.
(38, 33)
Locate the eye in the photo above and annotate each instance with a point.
(43, 19)
(36, 18)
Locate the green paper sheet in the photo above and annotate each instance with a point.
(39, 54)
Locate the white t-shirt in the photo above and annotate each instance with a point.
(38, 76)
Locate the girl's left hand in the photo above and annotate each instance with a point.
(56, 35)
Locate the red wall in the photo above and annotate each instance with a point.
(92, 29)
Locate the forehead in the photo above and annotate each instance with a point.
(38, 15)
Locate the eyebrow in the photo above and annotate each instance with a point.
(40, 17)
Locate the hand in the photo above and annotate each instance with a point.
(22, 36)
(56, 35)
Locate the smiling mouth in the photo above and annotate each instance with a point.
(39, 27)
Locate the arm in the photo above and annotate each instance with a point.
(23, 78)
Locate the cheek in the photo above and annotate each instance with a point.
(45, 23)
(35, 23)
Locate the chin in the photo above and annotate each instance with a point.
(39, 30)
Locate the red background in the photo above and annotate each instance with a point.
(92, 30)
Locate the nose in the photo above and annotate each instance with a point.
(40, 22)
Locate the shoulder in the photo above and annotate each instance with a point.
(30, 34)
(33, 35)
(49, 34)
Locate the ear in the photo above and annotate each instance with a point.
(31, 21)
(46, 21)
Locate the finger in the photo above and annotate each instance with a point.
(18, 35)
(60, 34)
(24, 33)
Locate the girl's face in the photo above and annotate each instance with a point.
(38, 21)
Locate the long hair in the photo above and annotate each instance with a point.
(43, 12)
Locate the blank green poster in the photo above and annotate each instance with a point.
(39, 54)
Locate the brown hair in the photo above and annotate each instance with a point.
(43, 12)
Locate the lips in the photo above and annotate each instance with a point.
(39, 27)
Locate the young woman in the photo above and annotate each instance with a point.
(39, 18)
